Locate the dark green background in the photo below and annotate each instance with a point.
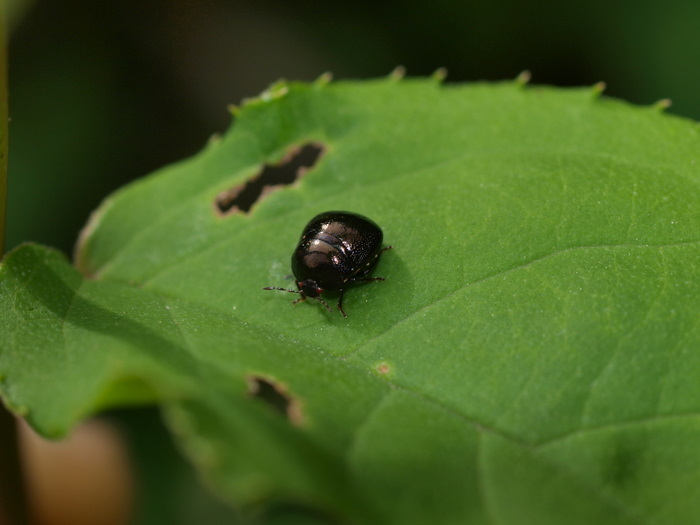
(105, 92)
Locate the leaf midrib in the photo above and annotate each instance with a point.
(226, 237)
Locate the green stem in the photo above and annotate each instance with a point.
(12, 494)
(3, 129)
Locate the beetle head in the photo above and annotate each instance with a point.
(309, 288)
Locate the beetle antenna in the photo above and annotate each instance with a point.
(302, 298)
(281, 289)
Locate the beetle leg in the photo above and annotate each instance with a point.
(324, 303)
(366, 279)
(340, 303)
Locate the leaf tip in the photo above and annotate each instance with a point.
(439, 75)
(324, 79)
(663, 104)
(598, 88)
(398, 73)
(275, 91)
(214, 139)
(234, 109)
(523, 78)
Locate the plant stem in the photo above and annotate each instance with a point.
(12, 494)
(3, 129)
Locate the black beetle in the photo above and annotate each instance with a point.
(337, 248)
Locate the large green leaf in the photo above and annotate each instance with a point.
(532, 357)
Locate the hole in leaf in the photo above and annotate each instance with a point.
(276, 396)
(296, 163)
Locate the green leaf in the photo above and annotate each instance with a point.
(532, 357)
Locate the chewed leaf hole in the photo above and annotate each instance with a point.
(276, 396)
(295, 164)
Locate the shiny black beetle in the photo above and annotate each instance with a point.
(336, 249)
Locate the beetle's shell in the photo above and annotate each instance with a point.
(335, 247)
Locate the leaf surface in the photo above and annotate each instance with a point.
(532, 357)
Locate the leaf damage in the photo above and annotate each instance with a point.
(277, 396)
(295, 164)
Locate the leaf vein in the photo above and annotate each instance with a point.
(507, 271)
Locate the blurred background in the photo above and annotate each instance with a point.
(102, 93)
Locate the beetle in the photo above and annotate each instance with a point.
(336, 249)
